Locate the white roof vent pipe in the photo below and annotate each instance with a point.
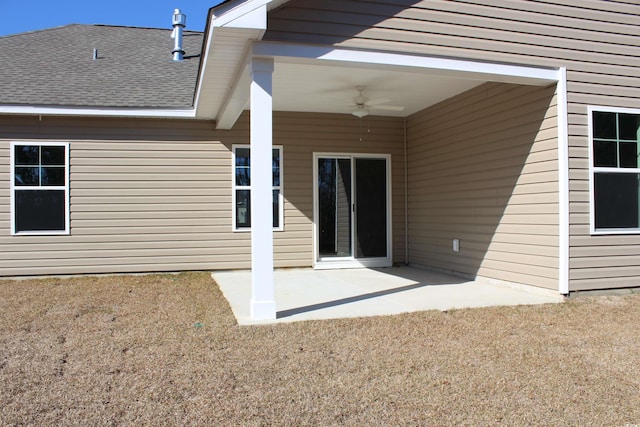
(179, 22)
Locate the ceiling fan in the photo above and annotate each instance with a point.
(362, 105)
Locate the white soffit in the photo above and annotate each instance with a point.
(327, 88)
(324, 79)
(229, 39)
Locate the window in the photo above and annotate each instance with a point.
(40, 188)
(615, 156)
(242, 187)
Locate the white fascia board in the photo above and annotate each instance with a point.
(96, 112)
(251, 14)
(535, 75)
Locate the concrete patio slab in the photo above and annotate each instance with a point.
(307, 294)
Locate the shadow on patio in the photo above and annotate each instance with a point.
(307, 294)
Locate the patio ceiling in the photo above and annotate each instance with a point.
(306, 84)
(310, 86)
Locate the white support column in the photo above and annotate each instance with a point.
(263, 306)
(563, 181)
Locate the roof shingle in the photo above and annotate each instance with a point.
(55, 67)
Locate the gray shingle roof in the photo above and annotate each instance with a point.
(134, 67)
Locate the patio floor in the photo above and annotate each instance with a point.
(307, 294)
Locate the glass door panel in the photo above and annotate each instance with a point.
(371, 207)
(334, 207)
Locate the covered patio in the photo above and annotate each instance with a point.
(494, 143)
(307, 294)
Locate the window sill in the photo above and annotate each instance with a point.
(248, 230)
(615, 231)
(41, 233)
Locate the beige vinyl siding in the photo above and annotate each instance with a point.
(596, 40)
(483, 169)
(145, 195)
(155, 195)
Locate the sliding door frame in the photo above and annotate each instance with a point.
(351, 261)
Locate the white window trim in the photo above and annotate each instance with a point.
(65, 188)
(592, 170)
(275, 187)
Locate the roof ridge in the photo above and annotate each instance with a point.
(141, 28)
(60, 27)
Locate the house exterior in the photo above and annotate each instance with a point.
(495, 139)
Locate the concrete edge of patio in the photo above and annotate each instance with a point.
(307, 294)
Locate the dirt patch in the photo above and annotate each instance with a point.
(165, 350)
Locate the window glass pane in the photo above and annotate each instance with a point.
(40, 210)
(27, 176)
(276, 208)
(628, 155)
(243, 175)
(275, 166)
(616, 200)
(26, 154)
(242, 157)
(605, 154)
(629, 125)
(52, 176)
(604, 125)
(243, 208)
(53, 155)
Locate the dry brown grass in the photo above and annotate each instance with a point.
(165, 350)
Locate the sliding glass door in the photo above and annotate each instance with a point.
(352, 210)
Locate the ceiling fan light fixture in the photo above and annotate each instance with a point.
(360, 111)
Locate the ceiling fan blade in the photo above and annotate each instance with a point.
(378, 101)
(387, 107)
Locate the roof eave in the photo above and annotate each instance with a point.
(233, 27)
(49, 110)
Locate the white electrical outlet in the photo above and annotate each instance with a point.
(456, 245)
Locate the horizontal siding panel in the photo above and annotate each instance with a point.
(19, 250)
(176, 156)
(133, 195)
(116, 262)
(71, 256)
(628, 260)
(448, 13)
(168, 171)
(144, 200)
(179, 217)
(585, 284)
(143, 177)
(486, 40)
(519, 277)
(614, 12)
(114, 209)
(95, 268)
(457, 229)
(443, 238)
(627, 242)
(612, 273)
(547, 270)
(488, 178)
(88, 163)
(93, 203)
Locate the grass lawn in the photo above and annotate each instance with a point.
(165, 350)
